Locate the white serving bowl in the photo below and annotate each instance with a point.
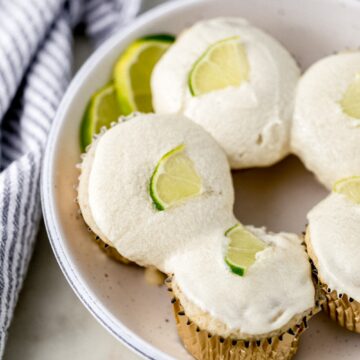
(278, 197)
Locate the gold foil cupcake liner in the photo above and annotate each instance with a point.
(340, 307)
(110, 251)
(205, 346)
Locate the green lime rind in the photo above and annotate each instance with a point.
(204, 55)
(86, 133)
(122, 106)
(235, 269)
(102, 110)
(200, 59)
(132, 72)
(159, 37)
(228, 231)
(242, 249)
(156, 201)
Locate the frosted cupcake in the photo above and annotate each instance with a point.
(326, 126)
(247, 294)
(158, 189)
(150, 184)
(234, 80)
(333, 242)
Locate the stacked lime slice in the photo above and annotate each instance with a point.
(133, 70)
(350, 102)
(130, 90)
(222, 65)
(242, 249)
(102, 110)
(349, 187)
(174, 179)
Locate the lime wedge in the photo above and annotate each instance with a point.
(350, 102)
(174, 179)
(350, 187)
(102, 109)
(133, 70)
(242, 249)
(223, 64)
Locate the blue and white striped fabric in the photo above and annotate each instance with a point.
(35, 69)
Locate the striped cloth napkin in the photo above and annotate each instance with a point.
(35, 69)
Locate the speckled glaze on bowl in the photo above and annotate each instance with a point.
(278, 197)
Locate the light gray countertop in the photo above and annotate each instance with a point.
(51, 323)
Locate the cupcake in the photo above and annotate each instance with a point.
(151, 184)
(247, 294)
(326, 125)
(333, 243)
(234, 80)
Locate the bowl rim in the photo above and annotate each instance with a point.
(117, 329)
(130, 339)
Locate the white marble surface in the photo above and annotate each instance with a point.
(50, 323)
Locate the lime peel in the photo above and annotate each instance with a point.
(242, 249)
(132, 72)
(174, 179)
(222, 64)
(102, 110)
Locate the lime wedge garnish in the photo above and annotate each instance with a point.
(133, 70)
(174, 179)
(102, 109)
(350, 102)
(350, 187)
(223, 64)
(242, 249)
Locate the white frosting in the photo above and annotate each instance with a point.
(334, 226)
(325, 138)
(188, 240)
(251, 122)
(276, 287)
(118, 190)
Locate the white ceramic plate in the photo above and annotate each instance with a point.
(278, 197)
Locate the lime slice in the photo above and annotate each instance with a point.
(133, 70)
(223, 64)
(350, 187)
(242, 249)
(350, 102)
(174, 179)
(102, 109)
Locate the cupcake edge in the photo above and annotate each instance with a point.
(109, 250)
(340, 307)
(103, 243)
(205, 346)
(152, 275)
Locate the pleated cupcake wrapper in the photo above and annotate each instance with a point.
(341, 308)
(110, 251)
(205, 346)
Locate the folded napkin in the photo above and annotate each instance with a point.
(35, 69)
